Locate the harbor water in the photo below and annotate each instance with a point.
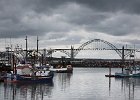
(82, 84)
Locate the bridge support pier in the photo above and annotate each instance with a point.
(72, 52)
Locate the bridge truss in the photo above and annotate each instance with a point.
(96, 44)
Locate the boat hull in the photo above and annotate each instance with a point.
(12, 78)
(126, 75)
(61, 70)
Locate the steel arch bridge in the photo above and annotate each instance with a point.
(98, 40)
(96, 44)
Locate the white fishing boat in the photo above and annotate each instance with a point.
(67, 69)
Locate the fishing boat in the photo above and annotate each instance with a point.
(26, 74)
(129, 72)
(68, 69)
(63, 67)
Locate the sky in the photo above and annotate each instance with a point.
(66, 23)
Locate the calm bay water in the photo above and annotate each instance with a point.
(82, 84)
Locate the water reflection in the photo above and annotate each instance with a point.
(38, 91)
(128, 87)
(109, 84)
(33, 91)
(63, 80)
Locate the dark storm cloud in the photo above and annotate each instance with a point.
(37, 17)
(129, 6)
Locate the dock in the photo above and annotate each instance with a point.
(109, 75)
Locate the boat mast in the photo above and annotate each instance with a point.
(37, 44)
(26, 49)
(37, 47)
(122, 58)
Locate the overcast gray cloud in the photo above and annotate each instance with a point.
(62, 23)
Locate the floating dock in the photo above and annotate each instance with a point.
(109, 75)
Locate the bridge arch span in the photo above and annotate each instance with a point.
(119, 52)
